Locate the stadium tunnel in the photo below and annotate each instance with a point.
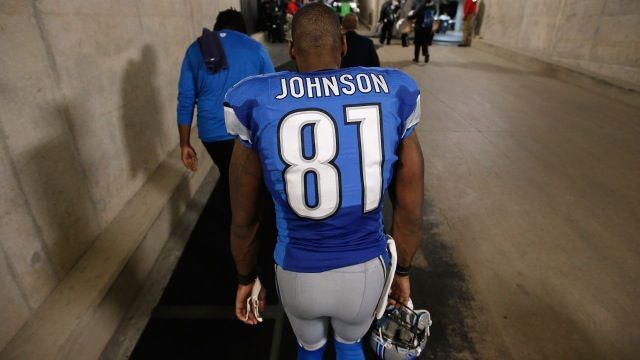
(110, 249)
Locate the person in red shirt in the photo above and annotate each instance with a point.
(292, 7)
(470, 8)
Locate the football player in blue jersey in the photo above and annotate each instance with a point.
(328, 144)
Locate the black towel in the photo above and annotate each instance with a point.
(212, 51)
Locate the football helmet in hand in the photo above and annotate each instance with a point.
(401, 333)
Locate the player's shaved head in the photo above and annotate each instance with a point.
(315, 29)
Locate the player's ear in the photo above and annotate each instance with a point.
(292, 53)
(343, 51)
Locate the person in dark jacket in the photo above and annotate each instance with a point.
(424, 15)
(360, 50)
(387, 19)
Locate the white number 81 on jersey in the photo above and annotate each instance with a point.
(325, 144)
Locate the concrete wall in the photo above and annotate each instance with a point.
(601, 37)
(87, 92)
(369, 12)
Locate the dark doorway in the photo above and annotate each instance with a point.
(450, 7)
(249, 9)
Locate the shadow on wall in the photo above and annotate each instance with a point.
(59, 194)
(479, 18)
(59, 190)
(141, 117)
(141, 126)
(141, 114)
(141, 131)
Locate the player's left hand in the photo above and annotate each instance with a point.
(243, 293)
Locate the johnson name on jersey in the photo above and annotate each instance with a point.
(327, 141)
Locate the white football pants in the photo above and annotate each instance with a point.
(346, 298)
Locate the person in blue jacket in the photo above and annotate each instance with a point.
(200, 86)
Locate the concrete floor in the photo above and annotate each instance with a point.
(534, 186)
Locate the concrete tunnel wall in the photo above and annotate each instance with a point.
(600, 37)
(88, 97)
(369, 12)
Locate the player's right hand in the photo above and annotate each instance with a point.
(400, 291)
(243, 312)
(189, 157)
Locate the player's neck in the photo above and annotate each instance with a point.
(317, 63)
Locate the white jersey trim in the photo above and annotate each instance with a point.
(414, 118)
(234, 126)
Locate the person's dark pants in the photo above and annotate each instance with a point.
(467, 33)
(405, 39)
(444, 26)
(385, 33)
(423, 39)
(220, 152)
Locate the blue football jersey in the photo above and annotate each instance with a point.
(327, 141)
